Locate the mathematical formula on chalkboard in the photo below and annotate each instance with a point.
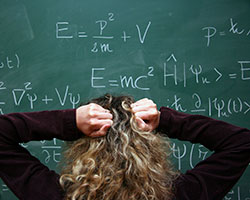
(234, 28)
(243, 73)
(173, 73)
(64, 30)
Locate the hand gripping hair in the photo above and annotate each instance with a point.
(126, 163)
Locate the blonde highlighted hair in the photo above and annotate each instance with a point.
(125, 164)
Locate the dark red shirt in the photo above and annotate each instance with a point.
(211, 179)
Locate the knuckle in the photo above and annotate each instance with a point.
(92, 122)
(154, 113)
(92, 106)
(154, 106)
(92, 113)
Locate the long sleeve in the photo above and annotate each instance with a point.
(215, 176)
(24, 174)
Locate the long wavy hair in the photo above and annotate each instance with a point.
(126, 163)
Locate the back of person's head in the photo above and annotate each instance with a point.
(126, 163)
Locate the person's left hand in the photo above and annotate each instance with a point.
(93, 120)
(146, 114)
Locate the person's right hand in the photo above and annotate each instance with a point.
(146, 114)
(93, 120)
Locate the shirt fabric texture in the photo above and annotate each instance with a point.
(210, 179)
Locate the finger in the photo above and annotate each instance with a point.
(101, 132)
(146, 115)
(141, 124)
(99, 113)
(104, 115)
(97, 124)
(143, 108)
(98, 108)
(140, 102)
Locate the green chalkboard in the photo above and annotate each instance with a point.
(193, 56)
